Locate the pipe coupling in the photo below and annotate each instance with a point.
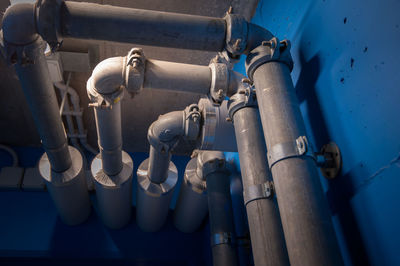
(269, 51)
(105, 101)
(236, 34)
(209, 162)
(243, 98)
(135, 67)
(219, 81)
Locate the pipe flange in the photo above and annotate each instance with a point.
(154, 189)
(269, 51)
(209, 162)
(236, 34)
(192, 180)
(112, 181)
(243, 98)
(61, 178)
(48, 21)
(219, 81)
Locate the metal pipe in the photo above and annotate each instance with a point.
(307, 224)
(40, 95)
(191, 207)
(177, 77)
(220, 209)
(145, 27)
(267, 240)
(112, 169)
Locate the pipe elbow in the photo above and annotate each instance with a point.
(256, 35)
(19, 24)
(108, 76)
(165, 132)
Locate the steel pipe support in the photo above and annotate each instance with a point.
(307, 224)
(267, 240)
(192, 206)
(153, 199)
(68, 189)
(114, 192)
(220, 208)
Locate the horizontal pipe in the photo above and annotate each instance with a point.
(177, 77)
(144, 27)
(307, 224)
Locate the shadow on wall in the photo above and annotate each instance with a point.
(341, 189)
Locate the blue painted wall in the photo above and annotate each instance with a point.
(347, 79)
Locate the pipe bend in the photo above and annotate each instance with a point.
(256, 35)
(166, 130)
(19, 24)
(108, 76)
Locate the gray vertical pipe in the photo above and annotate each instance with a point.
(221, 217)
(41, 97)
(266, 233)
(108, 123)
(306, 220)
(158, 165)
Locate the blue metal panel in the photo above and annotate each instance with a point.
(346, 77)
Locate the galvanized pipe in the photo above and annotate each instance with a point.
(307, 224)
(145, 27)
(267, 240)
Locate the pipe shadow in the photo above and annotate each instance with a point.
(341, 189)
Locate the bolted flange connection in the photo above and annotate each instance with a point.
(269, 51)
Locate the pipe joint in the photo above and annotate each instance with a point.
(243, 98)
(48, 21)
(219, 81)
(19, 35)
(236, 34)
(135, 68)
(269, 51)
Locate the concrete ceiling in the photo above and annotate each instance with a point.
(16, 124)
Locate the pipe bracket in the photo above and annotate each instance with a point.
(260, 191)
(243, 98)
(269, 51)
(282, 151)
(223, 238)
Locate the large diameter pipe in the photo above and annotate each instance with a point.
(41, 97)
(145, 27)
(307, 224)
(177, 77)
(268, 243)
